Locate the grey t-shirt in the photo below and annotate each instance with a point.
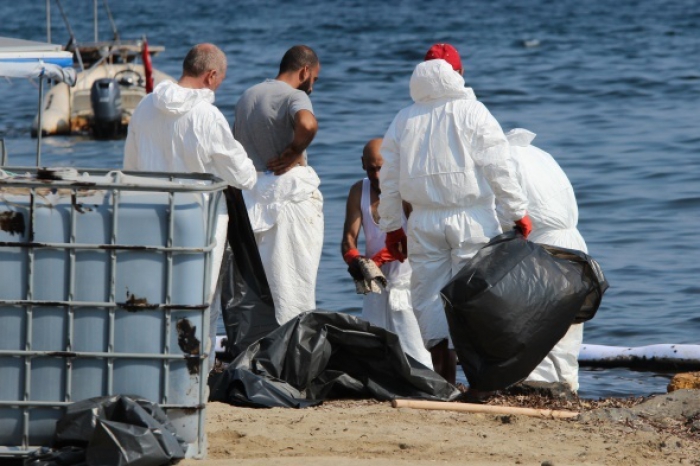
(264, 122)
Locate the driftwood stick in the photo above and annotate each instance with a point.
(486, 409)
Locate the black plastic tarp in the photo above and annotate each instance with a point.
(112, 431)
(321, 355)
(246, 302)
(511, 304)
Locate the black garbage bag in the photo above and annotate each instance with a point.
(246, 301)
(513, 302)
(321, 355)
(116, 431)
(66, 456)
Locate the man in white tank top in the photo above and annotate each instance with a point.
(391, 309)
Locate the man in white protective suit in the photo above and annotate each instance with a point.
(554, 213)
(275, 123)
(391, 308)
(178, 129)
(447, 156)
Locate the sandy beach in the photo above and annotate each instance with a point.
(655, 431)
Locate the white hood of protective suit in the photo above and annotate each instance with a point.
(551, 201)
(170, 97)
(435, 79)
(176, 129)
(445, 151)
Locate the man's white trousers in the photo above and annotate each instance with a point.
(393, 310)
(286, 213)
(440, 242)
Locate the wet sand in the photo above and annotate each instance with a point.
(660, 430)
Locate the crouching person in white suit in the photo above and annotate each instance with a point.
(391, 308)
(554, 213)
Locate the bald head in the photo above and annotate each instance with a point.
(204, 67)
(372, 161)
(371, 151)
(202, 58)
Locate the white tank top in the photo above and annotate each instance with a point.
(375, 239)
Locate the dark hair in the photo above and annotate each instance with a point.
(202, 58)
(298, 57)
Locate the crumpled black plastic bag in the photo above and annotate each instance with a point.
(117, 431)
(246, 301)
(513, 302)
(321, 355)
(66, 456)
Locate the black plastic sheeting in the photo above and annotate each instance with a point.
(513, 302)
(322, 355)
(112, 431)
(247, 307)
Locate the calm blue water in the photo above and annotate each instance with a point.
(611, 88)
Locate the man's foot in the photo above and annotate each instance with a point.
(444, 361)
(552, 390)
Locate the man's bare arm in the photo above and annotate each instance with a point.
(305, 128)
(353, 219)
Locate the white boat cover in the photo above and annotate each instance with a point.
(29, 59)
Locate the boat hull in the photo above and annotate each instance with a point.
(68, 110)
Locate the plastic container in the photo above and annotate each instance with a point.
(105, 289)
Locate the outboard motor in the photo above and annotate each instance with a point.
(106, 101)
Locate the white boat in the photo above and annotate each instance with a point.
(21, 58)
(113, 77)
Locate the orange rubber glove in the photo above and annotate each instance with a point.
(382, 257)
(524, 225)
(396, 243)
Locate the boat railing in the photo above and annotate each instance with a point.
(50, 65)
(104, 60)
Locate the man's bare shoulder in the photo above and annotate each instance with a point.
(355, 194)
(356, 188)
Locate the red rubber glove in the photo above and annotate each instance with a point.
(524, 225)
(350, 258)
(396, 243)
(382, 257)
(351, 255)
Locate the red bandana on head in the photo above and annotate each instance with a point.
(447, 53)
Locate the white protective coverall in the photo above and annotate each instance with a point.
(177, 129)
(554, 213)
(392, 308)
(286, 213)
(447, 156)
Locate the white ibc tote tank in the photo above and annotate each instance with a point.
(105, 289)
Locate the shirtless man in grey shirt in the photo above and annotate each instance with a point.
(274, 122)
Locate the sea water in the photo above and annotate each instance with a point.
(612, 90)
